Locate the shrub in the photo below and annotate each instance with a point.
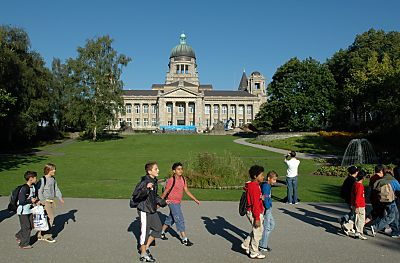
(207, 170)
(338, 138)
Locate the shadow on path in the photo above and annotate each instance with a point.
(61, 220)
(4, 214)
(219, 226)
(315, 219)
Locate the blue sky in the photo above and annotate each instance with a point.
(227, 36)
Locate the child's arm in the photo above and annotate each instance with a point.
(58, 193)
(191, 195)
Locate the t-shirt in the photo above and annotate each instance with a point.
(293, 165)
(267, 193)
(176, 194)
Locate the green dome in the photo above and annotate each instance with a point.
(183, 49)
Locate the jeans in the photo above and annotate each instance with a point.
(175, 216)
(269, 225)
(291, 189)
(391, 218)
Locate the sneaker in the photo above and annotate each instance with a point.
(25, 247)
(247, 249)
(149, 254)
(346, 231)
(359, 236)
(187, 242)
(265, 249)
(49, 240)
(296, 203)
(373, 232)
(147, 258)
(18, 240)
(257, 256)
(395, 236)
(163, 237)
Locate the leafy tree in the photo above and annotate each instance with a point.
(95, 76)
(300, 97)
(24, 81)
(6, 101)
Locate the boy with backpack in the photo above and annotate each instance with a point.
(255, 211)
(146, 199)
(173, 193)
(26, 200)
(386, 188)
(47, 193)
(269, 222)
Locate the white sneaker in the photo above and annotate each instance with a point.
(247, 249)
(257, 256)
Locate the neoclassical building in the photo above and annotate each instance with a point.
(182, 102)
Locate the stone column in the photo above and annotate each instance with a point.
(186, 113)
(237, 115)
(141, 114)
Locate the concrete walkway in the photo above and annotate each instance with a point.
(284, 152)
(96, 230)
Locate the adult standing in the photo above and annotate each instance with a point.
(291, 177)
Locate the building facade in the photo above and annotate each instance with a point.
(183, 103)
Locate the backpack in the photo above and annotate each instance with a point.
(173, 184)
(13, 204)
(385, 192)
(135, 200)
(243, 204)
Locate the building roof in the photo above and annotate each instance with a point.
(140, 92)
(183, 49)
(243, 82)
(227, 93)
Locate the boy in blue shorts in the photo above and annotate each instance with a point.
(269, 222)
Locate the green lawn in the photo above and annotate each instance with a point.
(305, 144)
(110, 169)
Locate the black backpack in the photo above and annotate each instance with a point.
(243, 204)
(135, 200)
(13, 204)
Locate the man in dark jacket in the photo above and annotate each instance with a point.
(345, 193)
(150, 224)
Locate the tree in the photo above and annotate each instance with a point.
(299, 97)
(6, 101)
(95, 76)
(24, 81)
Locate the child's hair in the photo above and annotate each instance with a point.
(352, 169)
(49, 167)
(29, 174)
(175, 165)
(292, 154)
(272, 174)
(149, 166)
(255, 170)
(380, 168)
(361, 175)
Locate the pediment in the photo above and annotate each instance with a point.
(181, 92)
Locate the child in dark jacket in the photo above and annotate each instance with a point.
(146, 191)
(255, 211)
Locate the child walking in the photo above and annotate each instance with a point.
(358, 204)
(150, 223)
(47, 193)
(26, 200)
(269, 222)
(255, 211)
(173, 194)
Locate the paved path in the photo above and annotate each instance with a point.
(284, 152)
(95, 230)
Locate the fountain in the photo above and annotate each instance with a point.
(359, 151)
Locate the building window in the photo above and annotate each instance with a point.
(181, 108)
(191, 123)
(249, 109)
(145, 108)
(240, 111)
(145, 122)
(207, 109)
(216, 109)
(177, 69)
(224, 109)
(207, 122)
(137, 122)
(248, 120)
(128, 108)
(186, 69)
(154, 109)
(169, 108)
(191, 108)
(169, 123)
(137, 108)
(240, 122)
(154, 122)
(233, 108)
(258, 85)
(129, 122)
